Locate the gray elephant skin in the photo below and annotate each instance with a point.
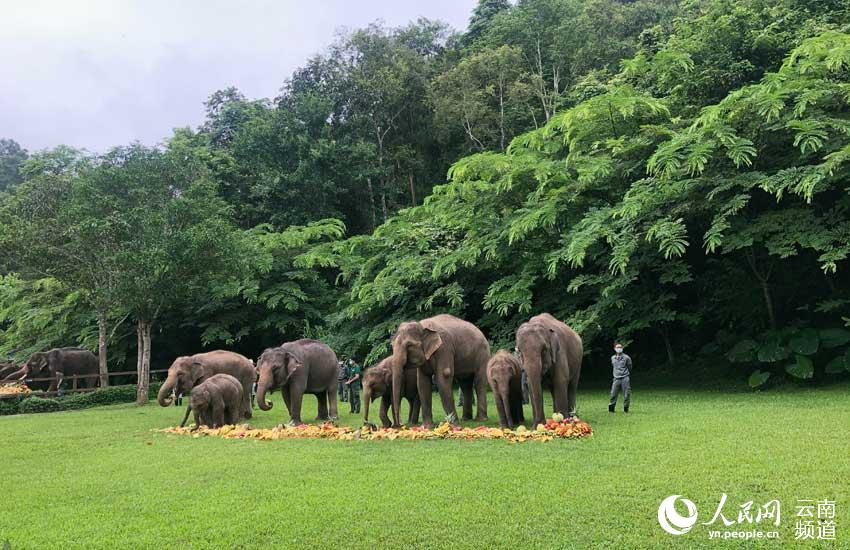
(504, 373)
(378, 382)
(551, 354)
(216, 401)
(299, 367)
(446, 347)
(61, 363)
(188, 371)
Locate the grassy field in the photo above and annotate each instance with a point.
(102, 479)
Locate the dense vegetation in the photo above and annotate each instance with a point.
(671, 174)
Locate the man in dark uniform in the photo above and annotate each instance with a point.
(622, 365)
(341, 378)
(354, 383)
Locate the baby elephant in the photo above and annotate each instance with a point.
(216, 401)
(504, 373)
(378, 382)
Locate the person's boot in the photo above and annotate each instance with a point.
(610, 408)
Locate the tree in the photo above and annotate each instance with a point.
(12, 156)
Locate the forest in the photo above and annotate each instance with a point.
(674, 175)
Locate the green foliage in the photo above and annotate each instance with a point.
(801, 368)
(758, 378)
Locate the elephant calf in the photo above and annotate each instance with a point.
(504, 374)
(378, 382)
(216, 401)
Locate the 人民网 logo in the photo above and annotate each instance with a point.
(673, 522)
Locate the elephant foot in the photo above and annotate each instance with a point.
(480, 418)
(368, 426)
(247, 414)
(428, 425)
(467, 418)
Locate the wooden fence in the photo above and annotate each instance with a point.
(75, 380)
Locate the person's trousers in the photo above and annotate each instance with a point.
(354, 398)
(621, 385)
(342, 390)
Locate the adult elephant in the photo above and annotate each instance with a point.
(446, 347)
(188, 371)
(60, 363)
(299, 367)
(378, 382)
(551, 353)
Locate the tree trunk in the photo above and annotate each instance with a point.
(671, 358)
(143, 362)
(384, 204)
(768, 301)
(101, 349)
(371, 202)
(412, 190)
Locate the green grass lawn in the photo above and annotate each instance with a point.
(101, 478)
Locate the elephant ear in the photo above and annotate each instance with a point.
(431, 341)
(554, 348)
(291, 364)
(196, 371)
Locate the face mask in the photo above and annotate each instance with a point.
(618, 349)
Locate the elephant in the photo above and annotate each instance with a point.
(446, 347)
(550, 352)
(61, 363)
(504, 373)
(377, 382)
(12, 372)
(299, 367)
(217, 401)
(188, 371)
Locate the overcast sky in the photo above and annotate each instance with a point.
(97, 73)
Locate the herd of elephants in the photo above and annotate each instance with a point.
(219, 383)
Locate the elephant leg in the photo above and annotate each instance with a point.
(332, 406)
(423, 383)
(284, 391)
(198, 420)
(466, 388)
(296, 394)
(386, 403)
(500, 409)
(481, 396)
(538, 416)
(246, 405)
(559, 392)
(232, 413)
(444, 386)
(323, 406)
(413, 418)
(572, 389)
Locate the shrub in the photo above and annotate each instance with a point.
(97, 398)
(37, 404)
(9, 405)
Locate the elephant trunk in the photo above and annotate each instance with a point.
(262, 385)
(16, 375)
(504, 392)
(164, 396)
(397, 368)
(186, 416)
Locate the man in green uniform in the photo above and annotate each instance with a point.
(354, 384)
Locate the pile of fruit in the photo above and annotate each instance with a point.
(14, 389)
(555, 427)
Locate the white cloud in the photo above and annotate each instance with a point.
(97, 73)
